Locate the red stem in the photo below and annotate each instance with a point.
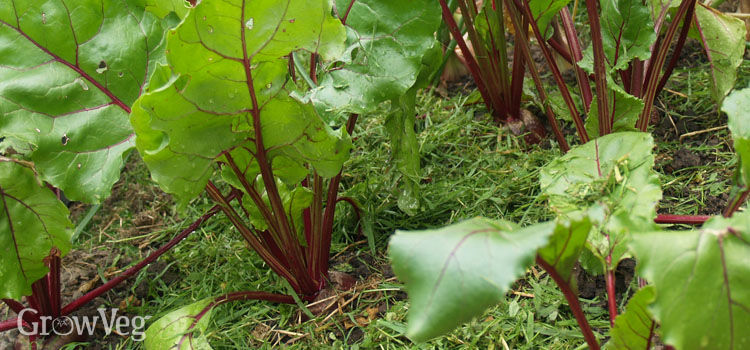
(636, 78)
(133, 270)
(582, 134)
(286, 233)
(496, 84)
(18, 307)
(560, 49)
(236, 296)
(249, 235)
(684, 12)
(331, 198)
(524, 48)
(317, 240)
(577, 54)
(736, 203)
(40, 294)
(681, 219)
(517, 76)
(53, 281)
(255, 196)
(10, 324)
(600, 70)
(471, 62)
(676, 53)
(611, 297)
(314, 68)
(346, 14)
(572, 299)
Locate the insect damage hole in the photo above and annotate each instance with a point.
(65, 139)
(102, 67)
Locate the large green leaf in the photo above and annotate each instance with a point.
(32, 222)
(186, 124)
(179, 330)
(701, 278)
(723, 37)
(737, 108)
(69, 73)
(613, 176)
(635, 327)
(627, 31)
(454, 273)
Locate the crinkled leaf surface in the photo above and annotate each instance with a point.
(32, 221)
(613, 176)
(175, 330)
(737, 108)
(701, 279)
(69, 73)
(185, 125)
(386, 41)
(723, 37)
(454, 273)
(635, 327)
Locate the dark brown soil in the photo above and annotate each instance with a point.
(590, 286)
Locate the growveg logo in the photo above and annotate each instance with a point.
(85, 325)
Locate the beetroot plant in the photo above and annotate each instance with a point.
(259, 99)
(499, 80)
(604, 194)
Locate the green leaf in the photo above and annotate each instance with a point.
(176, 330)
(489, 24)
(616, 169)
(635, 327)
(543, 11)
(454, 273)
(185, 125)
(68, 76)
(627, 31)
(405, 150)
(701, 278)
(566, 244)
(737, 108)
(386, 42)
(32, 222)
(625, 109)
(723, 38)
(613, 177)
